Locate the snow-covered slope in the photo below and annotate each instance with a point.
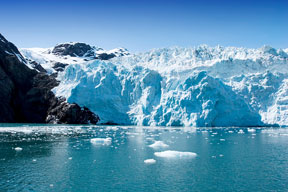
(57, 58)
(203, 86)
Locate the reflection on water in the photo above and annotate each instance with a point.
(64, 158)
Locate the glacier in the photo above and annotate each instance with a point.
(200, 86)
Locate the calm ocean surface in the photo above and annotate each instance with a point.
(64, 158)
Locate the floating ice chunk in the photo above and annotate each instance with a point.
(240, 131)
(101, 141)
(150, 139)
(251, 130)
(175, 154)
(150, 161)
(158, 144)
(18, 149)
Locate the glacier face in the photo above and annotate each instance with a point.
(203, 86)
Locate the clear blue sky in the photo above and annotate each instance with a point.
(140, 25)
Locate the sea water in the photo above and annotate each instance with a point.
(131, 158)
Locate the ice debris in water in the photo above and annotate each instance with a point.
(251, 130)
(18, 149)
(101, 141)
(158, 144)
(240, 131)
(150, 161)
(175, 154)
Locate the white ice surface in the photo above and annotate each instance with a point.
(158, 144)
(201, 86)
(150, 161)
(18, 149)
(175, 154)
(101, 141)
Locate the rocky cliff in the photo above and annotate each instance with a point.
(26, 95)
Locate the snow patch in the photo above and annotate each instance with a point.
(47, 59)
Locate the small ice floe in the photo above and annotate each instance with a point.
(18, 149)
(101, 141)
(175, 154)
(251, 130)
(240, 131)
(150, 161)
(34, 160)
(222, 139)
(149, 139)
(158, 144)
(70, 158)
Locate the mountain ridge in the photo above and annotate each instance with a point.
(26, 95)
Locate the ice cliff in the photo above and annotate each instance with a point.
(202, 86)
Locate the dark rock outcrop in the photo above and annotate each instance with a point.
(105, 56)
(71, 114)
(36, 66)
(15, 81)
(59, 66)
(26, 95)
(73, 50)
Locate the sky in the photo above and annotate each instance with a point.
(141, 25)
